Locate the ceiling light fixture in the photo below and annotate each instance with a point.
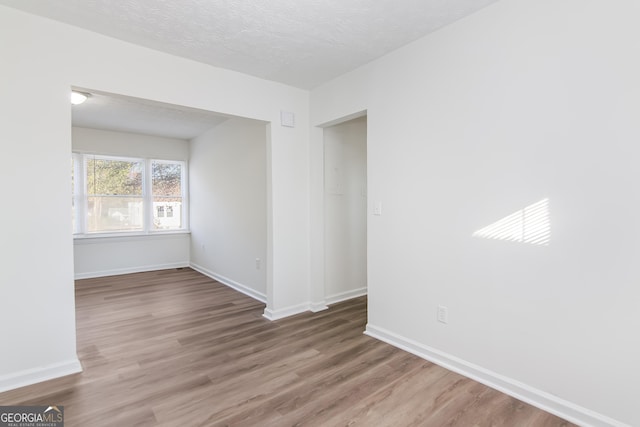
(78, 97)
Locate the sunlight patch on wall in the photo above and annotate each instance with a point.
(530, 225)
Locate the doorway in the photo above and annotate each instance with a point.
(345, 210)
(223, 191)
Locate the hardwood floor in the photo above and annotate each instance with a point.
(175, 348)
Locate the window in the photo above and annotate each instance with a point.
(120, 195)
(166, 188)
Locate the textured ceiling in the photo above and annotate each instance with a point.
(302, 43)
(126, 114)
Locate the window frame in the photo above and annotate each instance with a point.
(80, 196)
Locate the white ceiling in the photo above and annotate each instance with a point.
(302, 43)
(126, 114)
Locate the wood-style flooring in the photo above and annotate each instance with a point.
(176, 348)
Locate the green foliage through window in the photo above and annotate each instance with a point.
(127, 195)
(114, 177)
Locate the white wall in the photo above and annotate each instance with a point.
(95, 257)
(228, 203)
(522, 101)
(345, 210)
(39, 65)
(98, 141)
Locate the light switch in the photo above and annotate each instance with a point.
(443, 314)
(377, 208)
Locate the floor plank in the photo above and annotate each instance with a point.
(175, 348)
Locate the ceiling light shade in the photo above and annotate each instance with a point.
(78, 97)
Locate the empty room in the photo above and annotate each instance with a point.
(320, 212)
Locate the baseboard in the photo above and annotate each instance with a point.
(313, 306)
(318, 306)
(343, 296)
(231, 283)
(543, 400)
(36, 375)
(129, 270)
(285, 312)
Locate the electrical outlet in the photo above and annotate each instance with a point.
(443, 314)
(257, 263)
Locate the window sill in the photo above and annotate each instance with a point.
(127, 237)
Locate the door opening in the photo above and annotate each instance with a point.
(345, 210)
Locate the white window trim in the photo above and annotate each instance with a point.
(81, 198)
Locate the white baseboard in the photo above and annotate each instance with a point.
(129, 270)
(543, 400)
(313, 306)
(318, 306)
(343, 296)
(285, 312)
(231, 283)
(36, 375)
